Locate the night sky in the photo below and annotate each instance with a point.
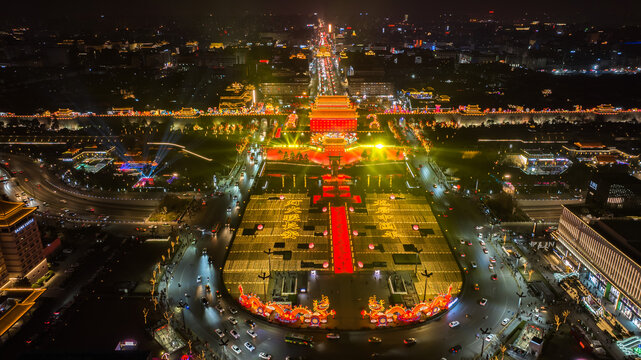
(596, 11)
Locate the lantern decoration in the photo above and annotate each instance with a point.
(324, 208)
(355, 233)
(360, 264)
(415, 227)
(282, 197)
(260, 227)
(392, 197)
(325, 265)
(325, 232)
(311, 245)
(371, 246)
(351, 209)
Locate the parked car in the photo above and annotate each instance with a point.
(235, 349)
(454, 324)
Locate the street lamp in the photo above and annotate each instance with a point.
(418, 260)
(269, 253)
(483, 332)
(264, 276)
(520, 295)
(427, 275)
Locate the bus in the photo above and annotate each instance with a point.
(299, 339)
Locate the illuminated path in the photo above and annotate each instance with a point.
(341, 245)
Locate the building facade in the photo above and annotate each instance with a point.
(605, 254)
(21, 251)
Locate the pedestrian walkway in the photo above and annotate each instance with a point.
(341, 244)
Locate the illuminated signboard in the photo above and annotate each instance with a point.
(21, 227)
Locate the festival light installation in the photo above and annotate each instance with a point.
(287, 314)
(400, 315)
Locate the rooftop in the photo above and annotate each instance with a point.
(12, 212)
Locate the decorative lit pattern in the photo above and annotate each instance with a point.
(398, 314)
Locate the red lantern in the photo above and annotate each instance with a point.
(311, 245)
(360, 264)
(371, 246)
(260, 227)
(415, 227)
(351, 209)
(324, 209)
(325, 233)
(355, 233)
(392, 197)
(282, 197)
(325, 265)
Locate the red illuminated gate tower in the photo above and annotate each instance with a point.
(334, 118)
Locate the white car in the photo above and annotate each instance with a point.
(234, 333)
(249, 346)
(265, 356)
(219, 332)
(479, 227)
(199, 279)
(232, 320)
(252, 333)
(233, 310)
(483, 302)
(505, 321)
(235, 349)
(482, 242)
(454, 324)
(474, 265)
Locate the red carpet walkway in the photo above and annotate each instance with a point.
(340, 242)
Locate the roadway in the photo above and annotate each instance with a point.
(42, 189)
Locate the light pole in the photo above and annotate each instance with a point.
(264, 276)
(521, 295)
(427, 275)
(483, 332)
(418, 260)
(223, 343)
(269, 253)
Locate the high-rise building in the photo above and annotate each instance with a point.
(21, 252)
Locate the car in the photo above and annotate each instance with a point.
(505, 321)
(252, 333)
(250, 323)
(375, 340)
(234, 333)
(491, 266)
(233, 310)
(218, 294)
(462, 254)
(483, 302)
(482, 242)
(455, 348)
(479, 227)
(249, 346)
(474, 265)
(454, 324)
(219, 332)
(207, 288)
(228, 210)
(488, 338)
(494, 277)
(204, 301)
(333, 336)
(462, 242)
(476, 287)
(480, 235)
(235, 349)
(435, 186)
(492, 260)
(485, 250)
(469, 243)
(199, 279)
(409, 341)
(265, 356)
(232, 320)
(219, 308)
